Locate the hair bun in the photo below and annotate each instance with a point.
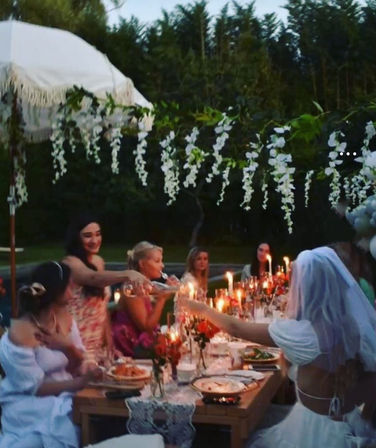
(35, 289)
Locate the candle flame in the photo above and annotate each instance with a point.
(117, 296)
(220, 305)
(269, 257)
(229, 276)
(265, 284)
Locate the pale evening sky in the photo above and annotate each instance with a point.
(150, 10)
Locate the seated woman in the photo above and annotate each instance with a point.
(133, 326)
(330, 338)
(259, 265)
(88, 306)
(42, 366)
(197, 271)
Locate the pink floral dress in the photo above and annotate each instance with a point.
(127, 337)
(90, 314)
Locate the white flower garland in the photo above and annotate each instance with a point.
(57, 138)
(307, 186)
(282, 173)
(331, 170)
(225, 183)
(195, 158)
(249, 172)
(222, 129)
(170, 167)
(139, 153)
(264, 190)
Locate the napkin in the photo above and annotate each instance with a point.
(251, 374)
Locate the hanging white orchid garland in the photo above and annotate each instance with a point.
(139, 153)
(331, 170)
(170, 167)
(222, 129)
(249, 171)
(307, 186)
(194, 158)
(282, 173)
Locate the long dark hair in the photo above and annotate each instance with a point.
(73, 246)
(49, 281)
(255, 264)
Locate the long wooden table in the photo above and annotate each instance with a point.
(241, 418)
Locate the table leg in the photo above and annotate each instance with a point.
(236, 440)
(85, 429)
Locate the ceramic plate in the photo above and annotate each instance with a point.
(256, 355)
(218, 385)
(129, 372)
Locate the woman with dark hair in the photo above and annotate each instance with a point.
(89, 303)
(42, 366)
(329, 336)
(197, 271)
(259, 265)
(133, 326)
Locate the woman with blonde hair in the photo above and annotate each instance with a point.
(197, 271)
(133, 326)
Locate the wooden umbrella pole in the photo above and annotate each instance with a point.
(12, 205)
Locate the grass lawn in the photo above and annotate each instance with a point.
(53, 251)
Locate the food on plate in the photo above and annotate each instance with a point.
(256, 354)
(128, 370)
(218, 385)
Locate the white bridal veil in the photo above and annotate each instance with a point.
(325, 293)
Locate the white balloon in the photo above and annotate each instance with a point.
(372, 247)
(362, 224)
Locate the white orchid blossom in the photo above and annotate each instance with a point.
(170, 167)
(282, 174)
(249, 171)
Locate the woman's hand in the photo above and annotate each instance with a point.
(172, 280)
(91, 374)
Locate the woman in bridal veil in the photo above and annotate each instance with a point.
(329, 337)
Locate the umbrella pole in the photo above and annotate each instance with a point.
(12, 206)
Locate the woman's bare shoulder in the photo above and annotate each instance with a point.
(72, 260)
(98, 262)
(22, 333)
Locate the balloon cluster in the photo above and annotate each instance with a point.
(363, 219)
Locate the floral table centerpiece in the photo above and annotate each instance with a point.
(173, 350)
(159, 359)
(202, 331)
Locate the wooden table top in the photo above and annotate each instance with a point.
(94, 398)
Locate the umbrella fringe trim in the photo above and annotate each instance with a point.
(36, 96)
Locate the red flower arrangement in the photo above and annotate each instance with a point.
(202, 331)
(159, 358)
(166, 348)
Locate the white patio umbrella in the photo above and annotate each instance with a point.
(39, 65)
